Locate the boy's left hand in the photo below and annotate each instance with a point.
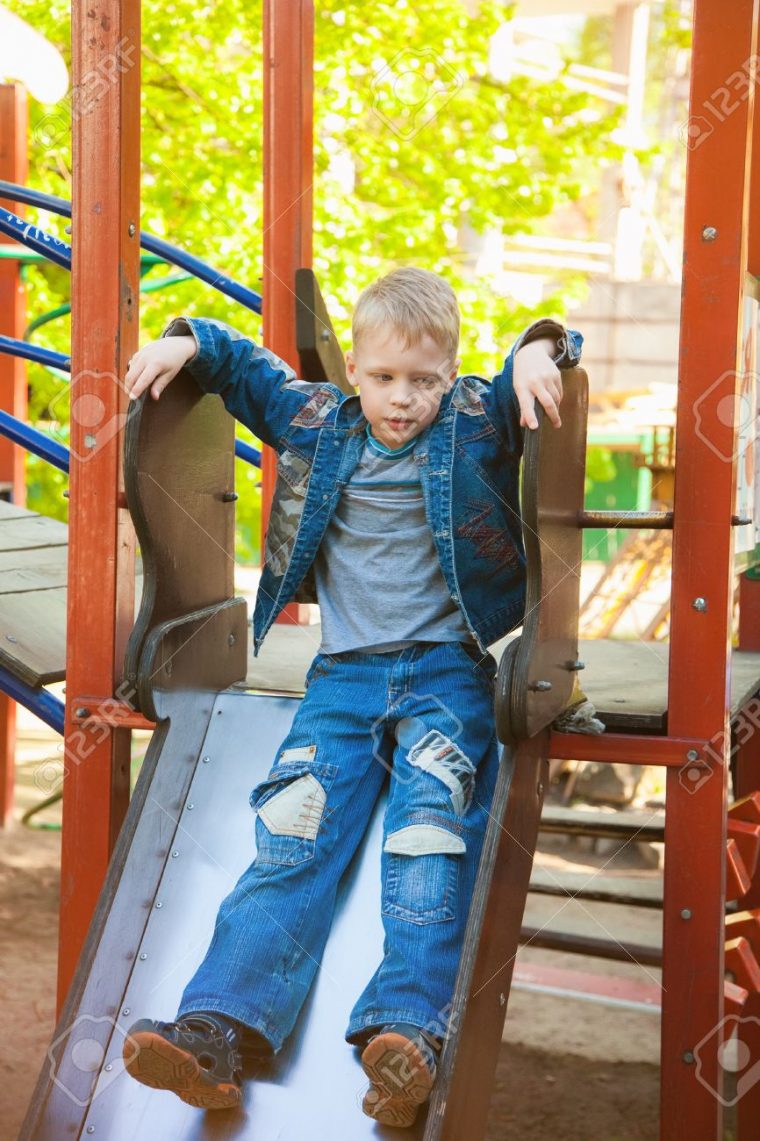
(536, 375)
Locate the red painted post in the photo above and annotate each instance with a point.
(288, 177)
(14, 121)
(749, 582)
(105, 273)
(715, 252)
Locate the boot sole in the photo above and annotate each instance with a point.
(156, 1063)
(400, 1079)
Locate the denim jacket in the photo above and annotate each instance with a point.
(468, 460)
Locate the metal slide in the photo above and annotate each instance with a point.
(314, 1087)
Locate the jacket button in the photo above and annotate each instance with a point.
(325, 496)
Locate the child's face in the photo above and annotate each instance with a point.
(400, 386)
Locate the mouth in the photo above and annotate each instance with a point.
(397, 421)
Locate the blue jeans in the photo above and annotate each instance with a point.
(424, 714)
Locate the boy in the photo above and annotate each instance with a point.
(398, 509)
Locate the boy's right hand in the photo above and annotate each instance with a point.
(156, 365)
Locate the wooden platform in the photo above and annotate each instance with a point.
(626, 680)
(33, 557)
(33, 569)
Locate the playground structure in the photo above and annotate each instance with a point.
(680, 718)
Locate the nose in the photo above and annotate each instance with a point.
(401, 395)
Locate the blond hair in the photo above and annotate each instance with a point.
(414, 302)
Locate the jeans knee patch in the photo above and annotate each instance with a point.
(438, 755)
(422, 875)
(423, 840)
(290, 806)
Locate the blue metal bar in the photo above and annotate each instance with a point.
(36, 353)
(172, 254)
(41, 703)
(13, 428)
(247, 452)
(34, 441)
(35, 239)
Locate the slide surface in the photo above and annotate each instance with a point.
(314, 1087)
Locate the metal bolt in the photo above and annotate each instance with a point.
(692, 755)
(686, 913)
(699, 604)
(576, 665)
(126, 1010)
(190, 807)
(709, 233)
(231, 639)
(90, 1128)
(688, 1057)
(109, 1067)
(324, 335)
(539, 788)
(206, 760)
(502, 1000)
(82, 711)
(65, 494)
(229, 496)
(175, 853)
(143, 957)
(159, 905)
(11, 638)
(168, 668)
(540, 686)
(132, 229)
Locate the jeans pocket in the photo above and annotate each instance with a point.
(320, 667)
(422, 889)
(483, 666)
(290, 807)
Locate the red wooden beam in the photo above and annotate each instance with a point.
(288, 178)
(14, 121)
(682, 753)
(715, 252)
(105, 276)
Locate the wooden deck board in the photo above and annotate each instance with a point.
(33, 635)
(40, 568)
(31, 531)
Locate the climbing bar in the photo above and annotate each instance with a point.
(35, 239)
(10, 427)
(158, 246)
(49, 357)
(36, 442)
(41, 703)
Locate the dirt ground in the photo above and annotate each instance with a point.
(568, 1069)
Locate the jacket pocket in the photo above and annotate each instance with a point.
(293, 472)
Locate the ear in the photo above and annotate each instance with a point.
(351, 367)
(454, 370)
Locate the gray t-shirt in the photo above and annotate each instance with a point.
(379, 581)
